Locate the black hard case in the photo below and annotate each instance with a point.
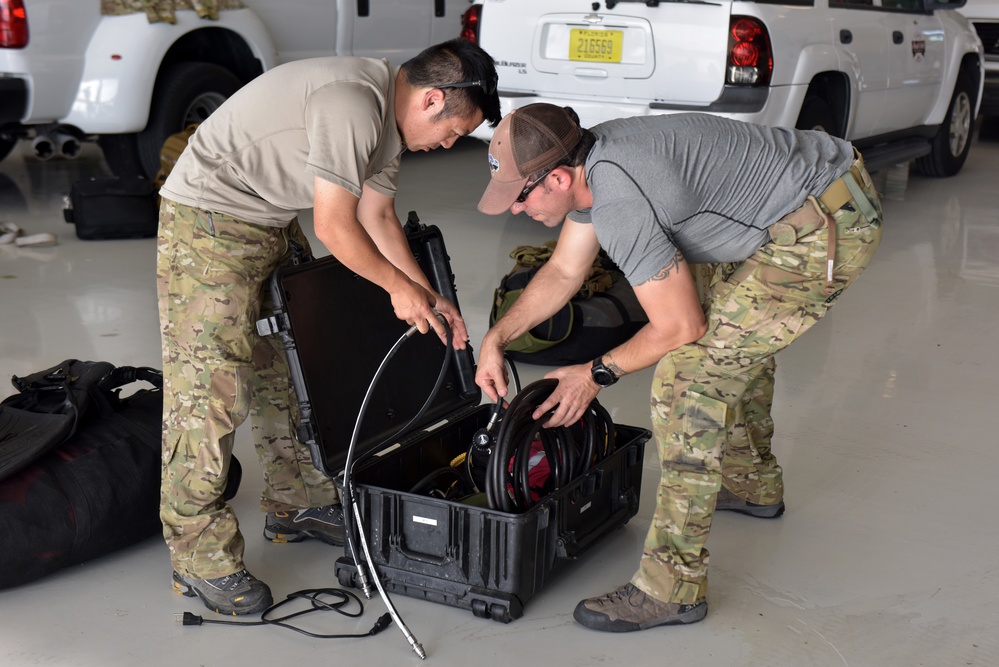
(113, 208)
(337, 328)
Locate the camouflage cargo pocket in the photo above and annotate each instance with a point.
(704, 426)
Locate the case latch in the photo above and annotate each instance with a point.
(272, 324)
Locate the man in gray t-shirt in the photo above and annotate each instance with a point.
(778, 221)
(325, 134)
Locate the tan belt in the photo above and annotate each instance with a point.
(839, 193)
(790, 228)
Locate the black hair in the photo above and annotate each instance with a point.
(452, 62)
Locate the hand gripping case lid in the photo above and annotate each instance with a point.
(338, 327)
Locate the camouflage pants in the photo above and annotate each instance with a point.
(212, 273)
(711, 399)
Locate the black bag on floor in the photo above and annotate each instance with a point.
(113, 208)
(79, 466)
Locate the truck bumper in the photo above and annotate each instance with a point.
(776, 106)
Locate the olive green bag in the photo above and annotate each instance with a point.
(602, 314)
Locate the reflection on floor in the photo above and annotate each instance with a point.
(886, 429)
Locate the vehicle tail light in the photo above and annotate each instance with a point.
(470, 23)
(750, 58)
(13, 24)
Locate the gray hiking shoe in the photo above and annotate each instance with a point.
(323, 523)
(234, 594)
(628, 609)
(729, 501)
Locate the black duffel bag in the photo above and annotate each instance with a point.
(79, 466)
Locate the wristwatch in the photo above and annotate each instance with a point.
(603, 376)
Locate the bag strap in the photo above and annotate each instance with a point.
(125, 375)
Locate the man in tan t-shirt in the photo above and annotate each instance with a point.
(327, 134)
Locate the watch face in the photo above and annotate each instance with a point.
(603, 377)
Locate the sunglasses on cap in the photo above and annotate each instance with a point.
(488, 86)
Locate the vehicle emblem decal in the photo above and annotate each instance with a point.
(918, 50)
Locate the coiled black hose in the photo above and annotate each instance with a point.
(507, 483)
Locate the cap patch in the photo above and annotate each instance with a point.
(493, 163)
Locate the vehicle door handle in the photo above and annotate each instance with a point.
(845, 37)
(897, 37)
(438, 7)
(363, 8)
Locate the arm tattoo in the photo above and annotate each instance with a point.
(613, 367)
(665, 272)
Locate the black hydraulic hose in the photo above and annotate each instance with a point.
(507, 480)
(569, 457)
(604, 432)
(514, 429)
(587, 454)
(513, 371)
(348, 501)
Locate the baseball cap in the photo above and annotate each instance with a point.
(528, 140)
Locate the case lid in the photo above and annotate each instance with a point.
(340, 327)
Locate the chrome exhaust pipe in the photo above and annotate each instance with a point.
(67, 145)
(44, 147)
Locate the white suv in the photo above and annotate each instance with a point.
(901, 79)
(984, 15)
(132, 73)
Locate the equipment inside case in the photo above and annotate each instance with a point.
(337, 327)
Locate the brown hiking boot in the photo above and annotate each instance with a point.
(729, 501)
(628, 609)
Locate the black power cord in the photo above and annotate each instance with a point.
(342, 598)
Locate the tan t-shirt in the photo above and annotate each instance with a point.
(256, 156)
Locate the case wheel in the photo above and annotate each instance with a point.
(480, 608)
(500, 612)
(345, 577)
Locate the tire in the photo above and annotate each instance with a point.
(186, 93)
(952, 142)
(6, 146)
(816, 114)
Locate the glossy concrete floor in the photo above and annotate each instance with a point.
(887, 422)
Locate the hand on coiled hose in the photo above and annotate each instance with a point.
(568, 454)
(569, 400)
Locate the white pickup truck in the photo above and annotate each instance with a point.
(901, 79)
(132, 72)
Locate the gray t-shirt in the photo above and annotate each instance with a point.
(256, 156)
(706, 185)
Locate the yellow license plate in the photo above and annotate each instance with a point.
(598, 46)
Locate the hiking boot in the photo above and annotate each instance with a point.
(729, 501)
(323, 523)
(628, 609)
(234, 594)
